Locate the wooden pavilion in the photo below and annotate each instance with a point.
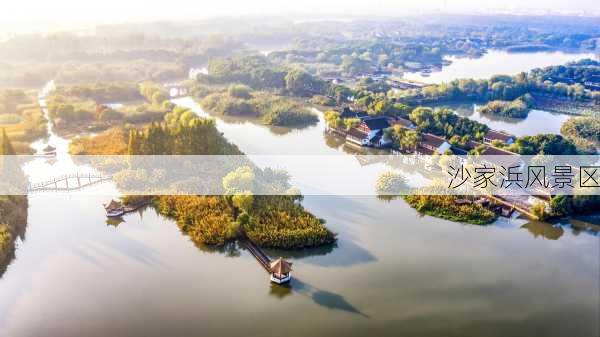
(281, 271)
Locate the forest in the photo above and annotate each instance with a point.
(240, 100)
(275, 220)
(21, 118)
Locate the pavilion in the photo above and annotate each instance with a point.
(281, 271)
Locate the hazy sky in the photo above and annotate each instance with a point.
(33, 13)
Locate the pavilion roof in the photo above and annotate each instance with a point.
(281, 266)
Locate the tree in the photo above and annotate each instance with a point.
(539, 210)
(239, 91)
(561, 204)
(351, 122)
(239, 181)
(301, 83)
(333, 119)
(390, 183)
(243, 200)
(6, 147)
(410, 141)
(402, 138)
(159, 97)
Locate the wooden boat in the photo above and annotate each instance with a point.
(116, 209)
(115, 213)
(49, 148)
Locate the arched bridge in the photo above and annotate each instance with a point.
(69, 182)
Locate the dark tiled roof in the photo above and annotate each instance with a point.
(594, 78)
(356, 133)
(361, 114)
(494, 151)
(498, 135)
(432, 140)
(377, 123)
(424, 151)
(348, 112)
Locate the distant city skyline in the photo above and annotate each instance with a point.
(34, 15)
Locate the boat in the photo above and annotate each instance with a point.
(115, 213)
(48, 151)
(49, 148)
(114, 209)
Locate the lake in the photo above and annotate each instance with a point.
(536, 122)
(392, 272)
(495, 62)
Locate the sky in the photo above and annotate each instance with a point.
(29, 14)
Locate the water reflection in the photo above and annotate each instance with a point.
(585, 224)
(14, 214)
(326, 256)
(536, 122)
(544, 229)
(229, 249)
(257, 122)
(555, 230)
(323, 298)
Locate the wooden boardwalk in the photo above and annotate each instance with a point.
(260, 256)
(523, 209)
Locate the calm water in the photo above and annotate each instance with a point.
(496, 62)
(391, 273)
(536, 122)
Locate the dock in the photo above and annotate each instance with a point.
(280, 270)
(523, 209)
(258, 254)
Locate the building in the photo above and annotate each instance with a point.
(593, 83)
(347, 112)
(406, 84)
(373, 124)
(369, 132)
(281, 271)
(357, 137)
(493, 135)
(431, 144)
(402, 122)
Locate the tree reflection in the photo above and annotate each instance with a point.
(544, 229)
(13, 214)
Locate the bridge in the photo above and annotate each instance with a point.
(69, 182)
(258, 254)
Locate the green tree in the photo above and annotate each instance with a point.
(239, 91)
(6, 147)
(333, 119)
(301, 83)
